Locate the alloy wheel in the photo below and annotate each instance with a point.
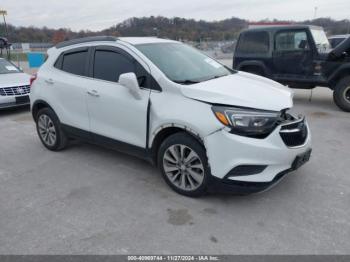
(183, 167)
(47, 130)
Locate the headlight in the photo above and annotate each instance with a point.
(247, 122)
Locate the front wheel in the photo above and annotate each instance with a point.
(341, 94)
(184, 165)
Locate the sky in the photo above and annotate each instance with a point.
(100, 14)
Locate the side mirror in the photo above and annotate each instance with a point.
(303, 44)
(129, 80)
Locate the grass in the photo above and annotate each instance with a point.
(14, 57)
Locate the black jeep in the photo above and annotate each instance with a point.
(298, 56)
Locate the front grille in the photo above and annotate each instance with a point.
(294, 134)
(14, 90)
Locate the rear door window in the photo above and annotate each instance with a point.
(254, 43)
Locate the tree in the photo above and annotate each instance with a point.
(58, 36)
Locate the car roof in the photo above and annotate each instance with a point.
(129, 40)
(144, 40)
(281, 27)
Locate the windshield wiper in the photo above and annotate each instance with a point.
(190, 82)
(215, 77)
(186, 82)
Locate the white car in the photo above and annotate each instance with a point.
(207, 127)
(14, 85)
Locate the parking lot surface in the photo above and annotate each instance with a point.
(91, 200)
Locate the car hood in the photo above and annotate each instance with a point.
(14, 79)
(243, 90)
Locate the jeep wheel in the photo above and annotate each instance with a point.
(341, 94)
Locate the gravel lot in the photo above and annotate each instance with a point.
(90, 200)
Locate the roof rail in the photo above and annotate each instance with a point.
(86, 40)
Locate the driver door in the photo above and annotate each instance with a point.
(292, 54)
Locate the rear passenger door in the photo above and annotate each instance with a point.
(68, 87)
(114, 112)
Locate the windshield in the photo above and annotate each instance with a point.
(7, 68)
(321, 40)
(183, 64)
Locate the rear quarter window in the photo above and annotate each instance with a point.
(73, 62)
(253, 43)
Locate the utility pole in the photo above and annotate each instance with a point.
(4, 13)
(7, 46)
(315, 13)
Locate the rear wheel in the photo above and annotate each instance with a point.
(341, 94)
(49, 130)
(184, 165)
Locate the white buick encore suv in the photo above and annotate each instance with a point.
(207, 127)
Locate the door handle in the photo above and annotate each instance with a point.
(49, 81)
(93, 93)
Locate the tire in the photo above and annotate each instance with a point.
(49, 130)
(189, 178)
(341, 94)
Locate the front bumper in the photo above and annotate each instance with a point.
(241, 187)
(14, 101)
(226, 151)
